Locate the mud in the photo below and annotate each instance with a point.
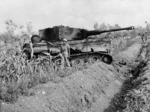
(89, 90)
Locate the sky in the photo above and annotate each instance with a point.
(75, 13)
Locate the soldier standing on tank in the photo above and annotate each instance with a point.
(65, 51)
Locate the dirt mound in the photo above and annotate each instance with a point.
(130, 54)
(80, 91)
(90, 90)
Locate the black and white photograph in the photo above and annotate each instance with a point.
(74, 56)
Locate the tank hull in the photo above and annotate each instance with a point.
(80, 52)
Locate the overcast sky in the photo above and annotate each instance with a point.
(75, 13)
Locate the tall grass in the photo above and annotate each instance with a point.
(17, 75)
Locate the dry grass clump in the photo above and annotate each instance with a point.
(137, 101)
(17, 75)
(135, 98)
(138, 98)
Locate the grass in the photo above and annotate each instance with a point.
(18, 75)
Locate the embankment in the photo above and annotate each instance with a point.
(89, 90)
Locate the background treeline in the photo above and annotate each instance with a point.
(16, 33)
(139, 30)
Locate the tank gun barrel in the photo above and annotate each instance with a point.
(97, 32)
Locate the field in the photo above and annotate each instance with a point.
(36, 86)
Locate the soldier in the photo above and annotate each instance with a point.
(144, 37)
(35, 39)
(28, 50)
(65, 51)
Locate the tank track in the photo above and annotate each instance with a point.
(88, 53)
(91, 57)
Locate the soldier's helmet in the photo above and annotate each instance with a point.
(65, 40)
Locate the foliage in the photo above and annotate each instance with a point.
(16, 33)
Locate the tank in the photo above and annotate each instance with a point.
(83, 49)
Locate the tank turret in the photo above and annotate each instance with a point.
(58, 32)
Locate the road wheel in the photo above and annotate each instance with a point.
(58, 62)
(77, 62)
(107, 59)
(93, 59)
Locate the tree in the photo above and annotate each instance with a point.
(103, 26)
(29, 27)
(96, 26)
(10, 26)
(17, 32)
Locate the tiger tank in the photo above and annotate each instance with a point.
(82, 48)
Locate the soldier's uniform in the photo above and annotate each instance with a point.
(144, 37)
(65, 51)
(28, 50)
